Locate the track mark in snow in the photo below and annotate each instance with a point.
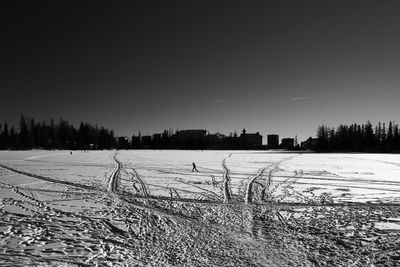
(260, 173)
(376, 160)
(48, 179)
(211, 193)
(141, 182)
(47, 155)
(227, 179)
(115, 176)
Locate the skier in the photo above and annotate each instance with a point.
(194, 167)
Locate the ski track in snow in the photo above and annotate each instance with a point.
(115, 175)
(170, 216)
(47, 155)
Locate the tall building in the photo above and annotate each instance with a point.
(250, 140)
(273, 140)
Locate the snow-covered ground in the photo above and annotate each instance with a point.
(80, 207)
(344, 177)
(295, 176)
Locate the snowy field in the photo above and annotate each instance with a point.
(81, 207)
(293, 176)
(290, 176)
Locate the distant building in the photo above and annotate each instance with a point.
(214, 140)
(287, 143)
(136, 143)
(273, 140)
(156, 140)
(309, 144)
(250, 140)
(191, 134)
(194, 139)
(146, 141)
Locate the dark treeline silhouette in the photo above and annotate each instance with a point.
(359, 138)
(60, 135)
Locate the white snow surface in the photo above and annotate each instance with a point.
(344, 177)
(58, 207)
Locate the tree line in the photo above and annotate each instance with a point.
(30, 134)
(359, 138)
(62, 135)
(52, 135)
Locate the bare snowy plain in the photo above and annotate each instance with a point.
(243, 208)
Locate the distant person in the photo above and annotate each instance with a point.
(194, 167)
(70, 152)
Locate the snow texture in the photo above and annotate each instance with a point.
(147, 207)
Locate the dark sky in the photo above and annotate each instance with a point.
(271, 66)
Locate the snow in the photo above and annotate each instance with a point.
(346, 177)
(57, 203)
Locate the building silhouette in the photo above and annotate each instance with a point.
(202, 139)
(273, 141)
(250, 140)
(156, 140)
(190, 139)
(287, 143)
(309, 144)
(191, 134)
(146, 141)
(214, 141)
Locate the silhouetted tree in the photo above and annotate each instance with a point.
(61, 136)
(1, 138)
(396, 138)
(23, 136)
(359, 138)
(13, 139)
(389, 138)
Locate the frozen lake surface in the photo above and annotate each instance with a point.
(116, 208)
(345, 177)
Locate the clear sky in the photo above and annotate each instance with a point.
(280, 67)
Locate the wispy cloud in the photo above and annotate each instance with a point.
(222, 100)
(299, 98)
